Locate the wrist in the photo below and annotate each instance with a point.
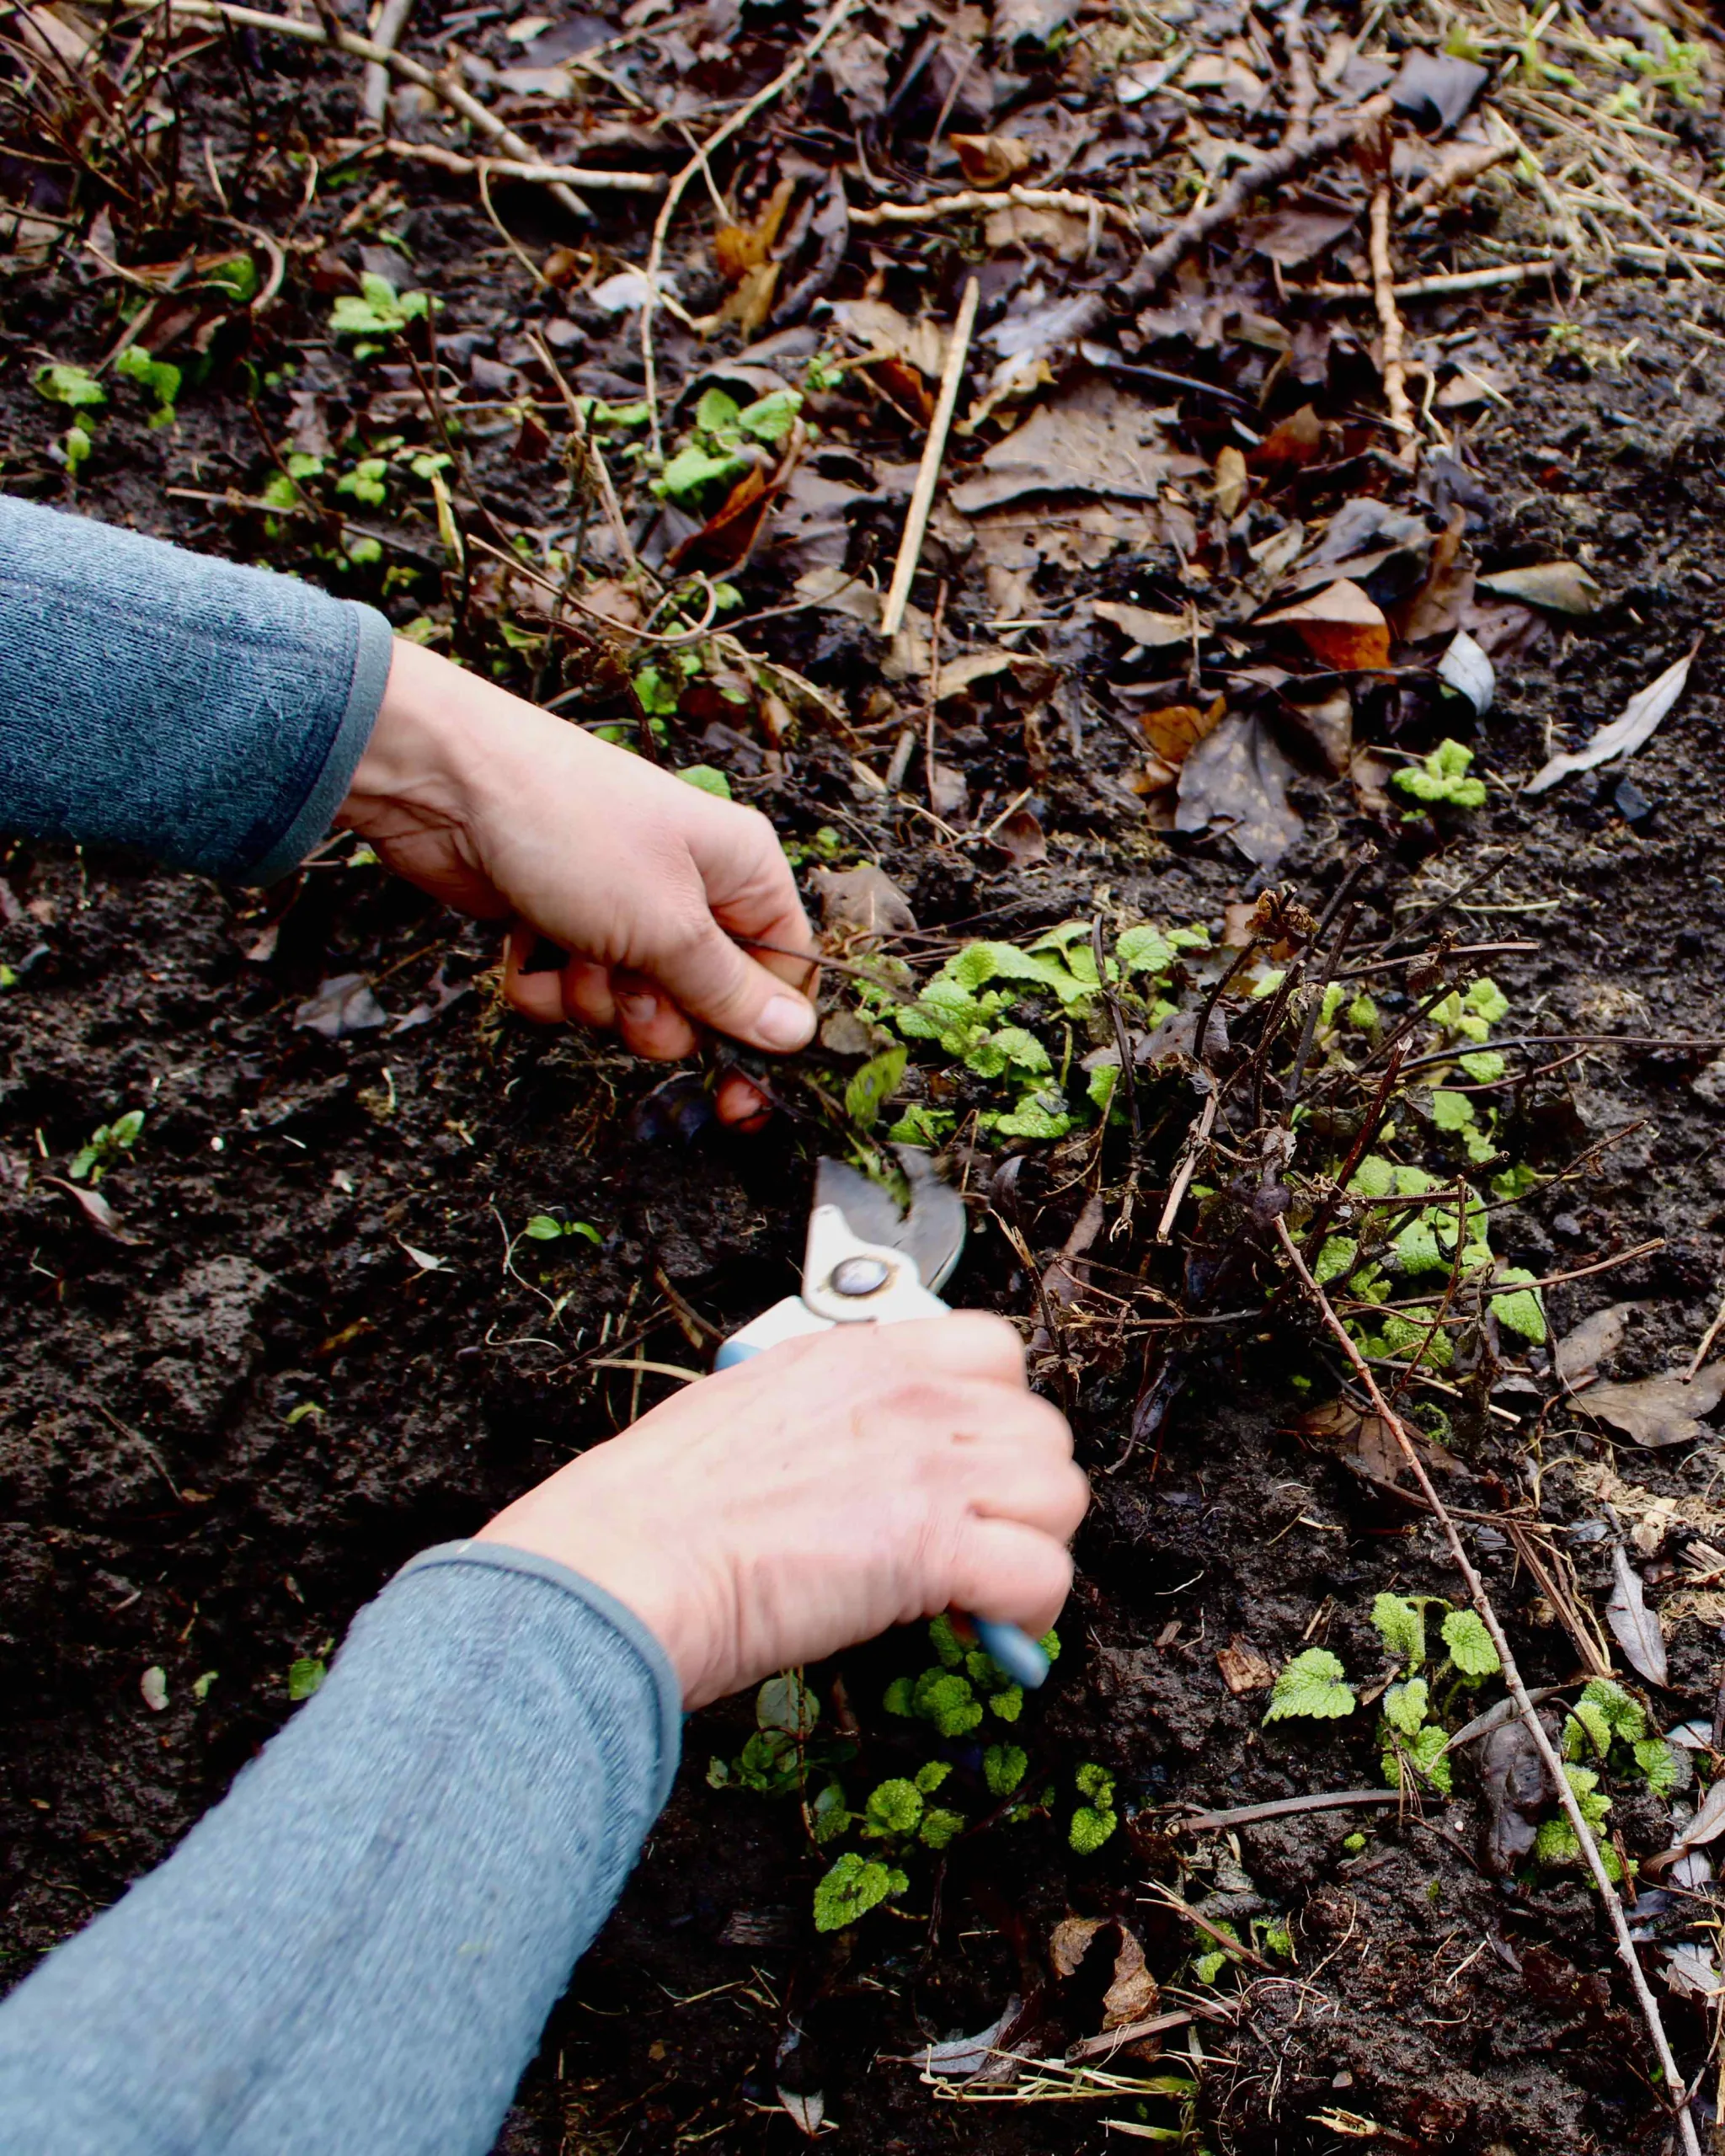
(421, 758)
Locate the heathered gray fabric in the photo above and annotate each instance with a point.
(354, 1953)
(210, 714)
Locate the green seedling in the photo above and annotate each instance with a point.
(546, 1228)
(1096, 1819)
(375, 313)
(727, 441)
(108, 1144)
(75, 387)
(159, 379)
(1313, 1686)
(854, 1886)
(1442, 779)
(236, 277)
(963, 1684)
(1607, 1726)
(1557, 1845)
(706, 778)
(870, 1089)
(306, 1676)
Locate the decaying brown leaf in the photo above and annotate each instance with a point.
(1132, 1992)
(1626, 733)
(1301, 225)
(1094, 441)
(862, 899)
(1634, 1626)
(1516, 1785)
(1021, 839)
(1706, 1826)
(343, 1004)
(1243, 1668)
(1556, 587)
(1235, 779)
(992, 160)
(1231, 481)
(739, 248)
(872, 325)
(1582, 1349)
(1365, 1442)
(1148, 630)
(1659, 1411)
(1340, 626)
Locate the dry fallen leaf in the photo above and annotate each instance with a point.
(739, 248)
(1243, 1668)
(1300, 225)
(1132, 1992)
(992, 160)
(95, 1209)
(1340, 626)
(1144, 628)
(1659, 1411)
(1094, 441)
(1634, 1626)
(1175, 730)
(1558, 587)
(863, 898)
(1021, 839)
(1627, 732)
(1237, 779)
(1231, 481)
(342, 1006)
(1515, 1782)
(1706, 1826)
(875, 326)
(1582, 1349)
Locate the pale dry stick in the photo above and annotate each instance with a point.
(1195, 1137)
(1584, 1834)
(976, 200)
(832, 22)
(1383, 279)
(386, 32)
(892, 616)
(362, 48)
(1460, 166)
(621, 182)
(598, 470)
(1279, 164)
(1707, 1339)
(1302, 83)
(1453, 281)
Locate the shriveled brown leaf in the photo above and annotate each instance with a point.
(873, 325)
(1366, 1443)
(1301, 225)
(1658, 1411)
(1236, 780)
(1341, 626)
(95, 1209)
(1146, 628)
(1231, 481)
(992, 160)
(1243, 1668)
(1175, 730)
(1069, 1942)
(1021, 839)
(343, 1004)
(1095, 441)
(1329, 721)
(1516, 1785)
(1585, 1346)
(864, 898)
(1556, 587)
(1634, 1626)
(739, 248)
(1035, 19)
(1132, 1991)
(1706, 1826)
(1291, 443)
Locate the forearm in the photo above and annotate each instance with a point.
(358, 1949)
(211, 714)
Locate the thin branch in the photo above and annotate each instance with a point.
(974, 201)
(387, 35)
(1383, 282)
(621, 182)
(1674, 2083)
(892, 614)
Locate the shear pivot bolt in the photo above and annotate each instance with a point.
(860, 1276)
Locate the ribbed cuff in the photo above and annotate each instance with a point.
(374, 647)
(500, 1557)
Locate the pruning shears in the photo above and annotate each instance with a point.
(866, 1262)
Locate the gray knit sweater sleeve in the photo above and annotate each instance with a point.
(354, 1954)
(210, 714)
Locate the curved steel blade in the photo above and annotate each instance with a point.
(931, 1233)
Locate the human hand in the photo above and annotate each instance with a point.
(820, 1492)
(506, 812)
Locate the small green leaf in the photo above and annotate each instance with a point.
(1004, 1767)
(708, 778)
(1520, 1310)
(868, 1090)
(898, 1697)
(1405, 1706)
(939, 1827)
(931, 1775)
(1659, 1764)
(769, 418)
(716, 413)
(1336, 1260)
(1625, 1717)
(305, 1676)
(948, 1648)
(1401, 1625)
(237, 276)
(1469, 1644)
(1420, 1759)
(1451, 1111)
(894, 1808)
(1442, 778)
(1312, 1685)
(74, 387)
(853, 1886)
(542, 1229)
(1090, 1829)
(1487, 1001)
(1008, 1703)
(1485, 1065)
(695, 474)
(786, 1703)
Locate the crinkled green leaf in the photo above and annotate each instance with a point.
(76, 387)
(1401, 1625)
(1442, 778)
(769, 418)
(940, 1826)
(1420, 1759)
(1485, 1065)
(1004, 1767)
(894, 1808)
(867, 1091)
(1487, 1001)
(1312, 1685)
(707, 778)
(949, 1650)
(1090, 1829)
(1625, 1716)
(1451, 1111)
(1520, 1308)
(1469, 1644)
(854, 1886)
(1336, 1260)
(1405, 1706)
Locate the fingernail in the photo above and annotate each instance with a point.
(640, 1010)
(786, 1023)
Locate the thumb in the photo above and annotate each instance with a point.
(719, 986)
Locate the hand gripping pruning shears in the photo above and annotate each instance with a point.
(866, 1263)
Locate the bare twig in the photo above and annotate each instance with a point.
(975, 200)
(1454, 280)
(1707, 1339)
(621, 182)
(1674, 2082)
(1383, 279)
(440, 86)
(832, 22)
(598, 470)
(1201, 1127)
(1244, 1815)
(897, 596)
(386, 34)
(1461, 164)
(1302, 83)
(1296, 155)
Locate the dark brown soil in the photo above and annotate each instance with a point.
(221, 1431)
